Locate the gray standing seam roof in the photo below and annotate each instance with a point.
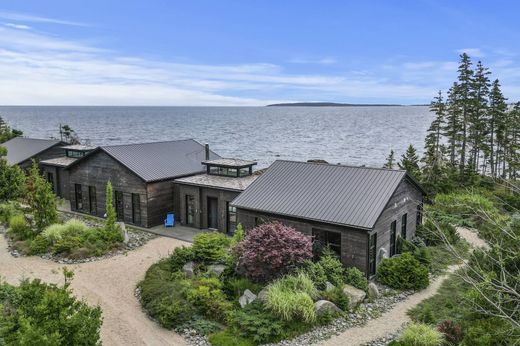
(20, 149)
(337, 194)
(161, 160)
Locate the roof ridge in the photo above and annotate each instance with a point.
(343, 165)
(145, 143)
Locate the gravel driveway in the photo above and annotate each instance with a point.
(109, 283)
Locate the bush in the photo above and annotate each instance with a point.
(338, 297)
(179, 257)
(291, 298)
(235, 287)
(7, 210)
(201, 325)
(19, 228)
(271, 250)
(225, 338)
(403, 272)
(327, 268)
(356, 278)
(452, 332)
(53, 233)
(256, 323)
(437, 233)
(66, 245)
(38, 245)
(74, 228)
(211, 247)
(420, 335)
(206, 294)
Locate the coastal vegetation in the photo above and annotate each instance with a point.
(6, 132)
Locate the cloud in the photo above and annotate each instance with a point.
(322, 61)
(472, 52)
(18, 26)
(27, 18)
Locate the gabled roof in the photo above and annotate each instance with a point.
(20, 149)
(158, 160)
(337, 194)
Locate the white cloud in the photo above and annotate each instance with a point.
(27, 18)
(322, 61)
(472, 52)
(17, 26)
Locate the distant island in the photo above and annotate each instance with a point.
(330, 104)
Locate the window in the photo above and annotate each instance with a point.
(372, 254)
(325, 239)
(223, 171)
(404, 221)
(74, 153)
(120, 207)
(393, 227)
(190, 209)
(79, 196)
(213, 170)
(92, 199)
(244, 171)
(136, 209)
(231, 218)
(50, 179)
(418, 216)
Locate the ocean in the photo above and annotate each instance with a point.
(347, 135)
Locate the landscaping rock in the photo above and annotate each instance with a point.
(373, 291)
(355, 295)
(262, 295)
(216, 269)
(322, 306)
(189, 269)
(329, 287)
(246, 298)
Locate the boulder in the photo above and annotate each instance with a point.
(373, 291)
(262, 295)
(189, 269)
(216, 269)
(355, 295)
(322, 306)
(246, 298)
(329, 287)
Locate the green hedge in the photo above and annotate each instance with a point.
(403, 272)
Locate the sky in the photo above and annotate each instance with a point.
(248, 53)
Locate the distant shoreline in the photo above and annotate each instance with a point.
(334, 104)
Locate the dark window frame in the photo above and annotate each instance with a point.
(419, 215)
(136, 209)
(231, 218)
(393, 238)
(404, 225)
(328, 239)
(372, 254)
(92, 200)
(119, 200)
(78, 195)
(190, 209)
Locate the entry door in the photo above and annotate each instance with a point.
(212, 212)
(120, 210)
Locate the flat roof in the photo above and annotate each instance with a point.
(230, 162)
(219, 182)
(81, 147)
(63, 161)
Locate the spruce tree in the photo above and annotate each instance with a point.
(452, 126)
(111, 217)
(477, 127)
(390, 160)
(495, 127)
(12, 179)
(410, 162)
(41, 199)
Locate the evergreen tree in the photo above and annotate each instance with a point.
(495, 126)
(433, 137)
(111, 217)
(6, 133)
(390, 160)
(477, 126)
(12, 179)
(41, 199)
(410, 162)
(452, 126)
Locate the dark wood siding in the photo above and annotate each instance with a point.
(50, 153)
(160, 202)
(61, 179)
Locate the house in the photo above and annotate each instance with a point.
(142, 177)
(204, 199)
(55, 169)
(358, 212)
(22, 150)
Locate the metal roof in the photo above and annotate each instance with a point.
(218, 182)
(20, 149)
(337, 194)
(63, 161)
(80, 147)
(159, 160)
(229, 162)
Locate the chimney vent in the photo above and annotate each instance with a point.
(206, 147)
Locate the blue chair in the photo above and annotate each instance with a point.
(170, 220)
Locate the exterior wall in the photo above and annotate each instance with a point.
(404, 201)
(201, 195)
(354, 242)
(96, 171)
(60, 179)
(50, 153)
(160, 202)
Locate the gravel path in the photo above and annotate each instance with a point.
(394, 319)
(109, 283)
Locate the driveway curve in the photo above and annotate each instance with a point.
(109, 283)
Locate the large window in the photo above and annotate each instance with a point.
(74, 153)
(326, 239)
(244, 171)
(231, 218)
(120, 207)
(418, 216)
(190, 209)
(136, 209)
(78, 193)
(372, 254)
(92, 198)
(393, 227)
(404, 221)
(224, 171)
(50, 179)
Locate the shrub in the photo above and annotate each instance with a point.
(179, 257)
(420, 335)
(403, 272)
(226, 338)
(338, 297)
(270, 250)
(317, 274)
(38, 245)
(201, 325)
(74, 228)
(333, 268)
(437, 233)
(452, 332)
(235, 287)
(291, 298)
(256, 323)
(41, 199)
(7, 210)
(210, 247)
(65, 245)
(206, 294)
(356, 278)
(19, 228)
(53, 233)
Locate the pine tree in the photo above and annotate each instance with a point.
(41, 199)
(410, 162)
(495, 128)
(452, 126)
(390, 160)
(477, 125)
(6, 133)
(433, 137)
(12, 179)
